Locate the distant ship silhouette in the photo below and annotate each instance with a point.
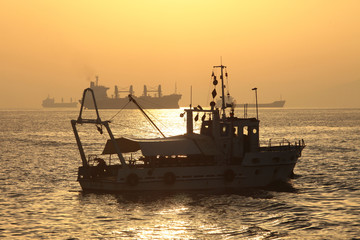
(229, 100)
(159, 101)
(50, 103)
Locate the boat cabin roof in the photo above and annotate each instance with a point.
(188, 144)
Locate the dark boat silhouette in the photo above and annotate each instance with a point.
(275, 104)
(50, 103)
(159, 101)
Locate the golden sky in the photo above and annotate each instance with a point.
(306, 51)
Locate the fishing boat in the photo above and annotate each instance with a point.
(224, 154)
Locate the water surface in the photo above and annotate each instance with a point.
(40, 198)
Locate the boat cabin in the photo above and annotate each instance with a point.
(234, 136)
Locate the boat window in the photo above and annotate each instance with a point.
(254, 130)
(206, 128)
(245, 130)
(224, 130)
(235, 131)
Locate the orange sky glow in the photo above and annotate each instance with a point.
(306, 52)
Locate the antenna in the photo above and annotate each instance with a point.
(257, 111)
(245, 110)
(190, 96)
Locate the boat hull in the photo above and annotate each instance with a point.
(191, 178)
(50, 103)
(275, 104)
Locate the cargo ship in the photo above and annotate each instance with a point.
(50, 103)
(275, 104)
(146, 100)
(231, 101)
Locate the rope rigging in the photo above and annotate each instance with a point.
(144, 113)
(135, 128)
(151, 103)
(119, 111)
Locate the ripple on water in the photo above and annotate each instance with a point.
(40, 198)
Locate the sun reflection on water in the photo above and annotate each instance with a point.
(41, 198)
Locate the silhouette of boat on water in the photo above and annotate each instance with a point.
(225, 154)
(50, 103)
(275, 104)
(229, 100)
(159, 101)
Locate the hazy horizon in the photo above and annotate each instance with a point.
(307, 53)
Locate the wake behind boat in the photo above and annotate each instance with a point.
(226, 154)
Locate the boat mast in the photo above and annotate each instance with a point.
(256, 103)
(222, 89)
(190, 96)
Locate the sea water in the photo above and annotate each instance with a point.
(41, 199)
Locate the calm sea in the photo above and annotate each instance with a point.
(41, 199)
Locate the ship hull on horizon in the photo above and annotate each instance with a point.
(230, 100)
(275, 104)
(50, 103)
